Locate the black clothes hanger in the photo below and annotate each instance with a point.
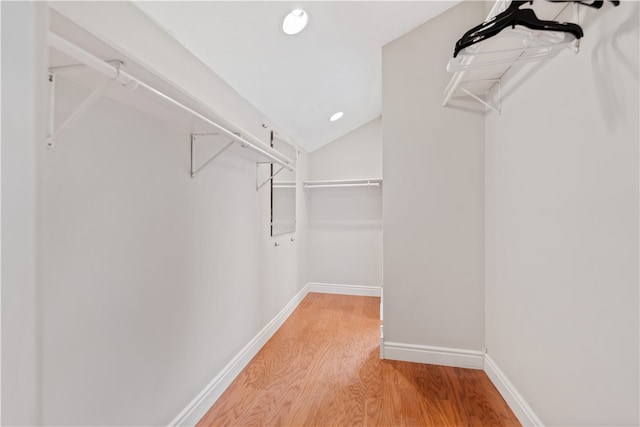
(596, 4)
(511, 17)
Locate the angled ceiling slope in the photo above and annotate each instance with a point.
(297, 81)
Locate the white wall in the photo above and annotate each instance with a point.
(345, 224)
(433, 200)
(147, 282)
(23, 66)
(150, 281)
(358, 154)
(562, 228)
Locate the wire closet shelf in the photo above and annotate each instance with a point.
(113, 70)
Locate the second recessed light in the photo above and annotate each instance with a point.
(336, 116)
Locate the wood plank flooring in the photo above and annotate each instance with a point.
(323, 368)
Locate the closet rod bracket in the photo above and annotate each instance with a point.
(194, 171)
(85, 105)
(93, 96)
(497, 108)
(258, 187)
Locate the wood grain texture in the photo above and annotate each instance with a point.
(322, 368)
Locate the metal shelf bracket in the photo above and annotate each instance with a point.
(258, 187)
(86, 104)
(496, 108)
(194, 138)
(478, 63)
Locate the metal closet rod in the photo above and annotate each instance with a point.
(358, 184)
(374, 182)
(128, 80)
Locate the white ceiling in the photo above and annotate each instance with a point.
(297, 81)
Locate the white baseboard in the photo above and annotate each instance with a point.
(516, 402)
(199, 406)
(459, 358)
(333, 288)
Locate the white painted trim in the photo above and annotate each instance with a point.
(459, 358)
(199, 406)
(514, 399)
(444, 356)
(339, 289)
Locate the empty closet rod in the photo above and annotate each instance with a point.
(358, 184)
(126, 79)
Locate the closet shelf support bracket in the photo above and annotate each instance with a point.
(258, 187)
(194, 136)
(497, 108)
(86, 104)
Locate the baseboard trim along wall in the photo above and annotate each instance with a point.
(459, 358)
(514, 399)
(199, 406)
(340, 289)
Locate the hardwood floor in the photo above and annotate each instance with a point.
(322, 367)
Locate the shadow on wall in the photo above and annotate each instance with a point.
(606, 53)
(611, 64)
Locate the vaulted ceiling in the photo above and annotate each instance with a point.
(297, 81)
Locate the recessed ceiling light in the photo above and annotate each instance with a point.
(336, 116)
(295, 21)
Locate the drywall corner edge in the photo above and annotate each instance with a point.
(514, 399)
(199, 406)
